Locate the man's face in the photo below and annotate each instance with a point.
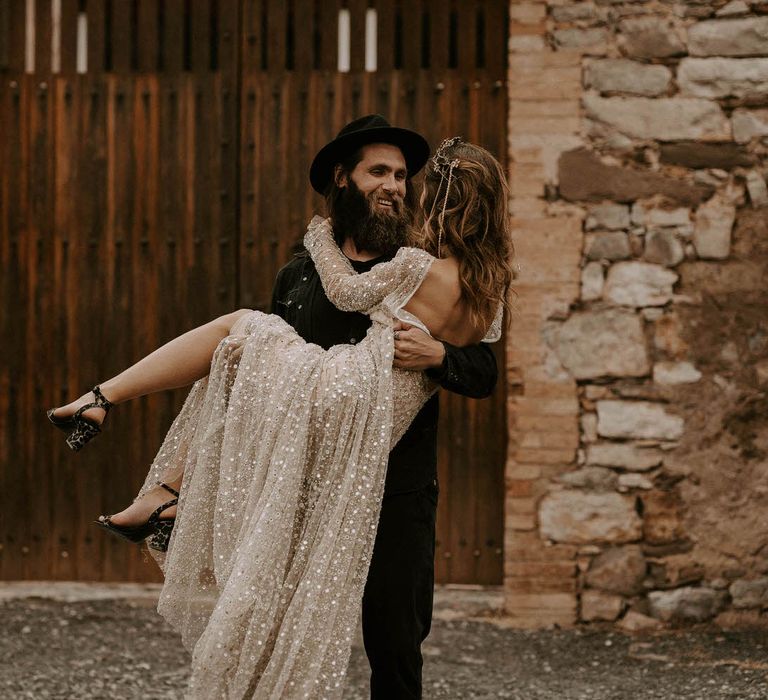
(381, 176)
(371, 209)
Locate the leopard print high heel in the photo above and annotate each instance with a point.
(156, 529)
(81, 429)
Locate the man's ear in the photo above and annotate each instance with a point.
(339, 176)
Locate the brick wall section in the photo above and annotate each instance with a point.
(544, 93)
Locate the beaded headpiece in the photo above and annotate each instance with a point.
(440, 159)
(445, 167)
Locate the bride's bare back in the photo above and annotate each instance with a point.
(438, 303)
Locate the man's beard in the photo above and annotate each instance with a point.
(355, 217)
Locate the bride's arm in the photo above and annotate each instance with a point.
(344, 287)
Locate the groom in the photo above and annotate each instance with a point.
(365, 176)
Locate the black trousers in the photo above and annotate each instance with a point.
(397, 603)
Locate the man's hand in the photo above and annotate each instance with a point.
(416, 350)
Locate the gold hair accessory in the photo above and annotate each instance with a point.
(445, 168)
(440, 159)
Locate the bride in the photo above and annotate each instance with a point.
(280, 452)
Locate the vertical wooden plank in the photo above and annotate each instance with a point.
(170, 209)
(491, 413)
(432, 114)
(172, 36)
(228, 80)
(224, 158)
(16, 35)
(201, 36)
(202, 275)
(68, 37)
(385, 36)
(411, 13)
(14, 461)
(269, 191)
(357, 10)
(247, 145)
(328, 32)
(450, 465)
(187, 157)
(470, 517)
(37, 313)
(251, 36)
(121, 35)
(303, 35)
(250, 184)
(97, 37)
(82, 316)
(288, 151)
(465, 481)
(387, 85)
(368, 89)
(475, 116)
(127, 252)
(148, 39)
(284, 128)
(276, 35)
(144, 280)
(65, 528)
(496, 22)
(439, 17)
(308, 139)
(466, 13)
(182, 121)
(342, 95)
(171, 218)
(228, 23)
(31, 542)
(213, 249)
(5, 20)
(43, 32)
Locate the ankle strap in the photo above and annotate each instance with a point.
(168, 488)
(101, 401)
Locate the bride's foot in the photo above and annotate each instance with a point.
(139, 511)
(95, 415)
(82, 418)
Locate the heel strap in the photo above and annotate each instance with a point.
(100, 402)
(168, 488)
(156, 513)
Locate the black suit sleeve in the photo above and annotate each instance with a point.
(470, 371)
(277, 293)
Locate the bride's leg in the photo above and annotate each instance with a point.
(178, 363)
(139, 511)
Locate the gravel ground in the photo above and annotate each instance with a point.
(112, 648)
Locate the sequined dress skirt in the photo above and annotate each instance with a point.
(284, 449)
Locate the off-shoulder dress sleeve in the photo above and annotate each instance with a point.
(349, 290)
(494, 331)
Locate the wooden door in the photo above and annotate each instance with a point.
(153, 174)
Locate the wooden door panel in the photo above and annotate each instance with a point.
(167, 185)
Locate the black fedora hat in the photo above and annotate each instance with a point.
(373, 128)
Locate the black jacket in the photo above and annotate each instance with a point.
(298, 297)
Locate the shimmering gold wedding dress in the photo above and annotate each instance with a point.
(284, 450)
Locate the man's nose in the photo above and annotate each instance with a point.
(390, 184)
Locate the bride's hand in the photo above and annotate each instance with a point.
(416, 350)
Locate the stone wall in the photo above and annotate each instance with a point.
(637, 473)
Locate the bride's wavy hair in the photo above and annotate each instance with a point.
(476, 225)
